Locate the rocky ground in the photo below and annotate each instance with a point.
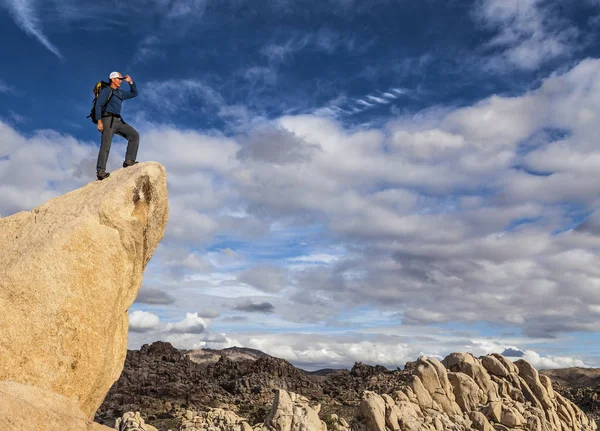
(580, 385)
(159, 381)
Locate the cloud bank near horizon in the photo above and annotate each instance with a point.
(482, 216)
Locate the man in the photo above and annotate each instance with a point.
(108, 114)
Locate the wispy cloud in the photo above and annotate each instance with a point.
(175, 94)
(344, 106)
(26, 17)
(529, 32)
(173, 17)
(281, 52)
(379, 100)
(193, 95)
(148, 49)
(5, 88)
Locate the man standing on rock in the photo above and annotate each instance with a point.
(108, 113)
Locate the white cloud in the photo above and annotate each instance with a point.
(438, 217)
(39, 167)
(143, 321)
(192, 324)
(548, 362)
(529, 32)
(378, 100)
(149, 48)
(281, 52)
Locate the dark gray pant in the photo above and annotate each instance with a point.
(114, 125)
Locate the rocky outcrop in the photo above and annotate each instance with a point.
(132, 422)
(214, 419)
(347, 386)
(291, 411)
(159, 372)
(27, 408)
(70, 269)
(484, 394)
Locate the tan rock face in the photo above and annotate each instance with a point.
(476, 394)
(292, 412)
(494, 366)
(468, 395)
(373, 408)
(69, 271)
(27, 408)
(434, 376)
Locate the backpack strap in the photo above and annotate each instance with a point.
(103, 110)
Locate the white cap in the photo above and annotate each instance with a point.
(114, 75)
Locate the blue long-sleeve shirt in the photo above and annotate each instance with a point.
(115, 102)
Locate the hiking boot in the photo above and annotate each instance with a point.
(102, 174)
(128, 163)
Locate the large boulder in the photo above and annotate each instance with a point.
(434, 377)
(373, 409)
(27, 408)
(70, 270)
(484, 394)
(292, 412)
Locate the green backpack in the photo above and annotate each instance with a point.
(100, 85)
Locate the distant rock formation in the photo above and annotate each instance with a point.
(580, 385)
(212, 356)
(466, 393)
(70, 270)
(461, 393)
(159, 372)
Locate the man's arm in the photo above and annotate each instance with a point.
(132, 87)
(102, 99)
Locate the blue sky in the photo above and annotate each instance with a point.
(348, 181)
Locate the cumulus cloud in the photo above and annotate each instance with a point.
(452, 216)
(36, 168)
(143, 321)
(548, 362)
(192, 324)
(277, 146)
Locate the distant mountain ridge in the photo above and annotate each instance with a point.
(575, 377)
(211, 356)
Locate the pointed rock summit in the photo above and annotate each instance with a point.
(69, 271)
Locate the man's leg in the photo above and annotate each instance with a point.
(133, 142)
(105, 143)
